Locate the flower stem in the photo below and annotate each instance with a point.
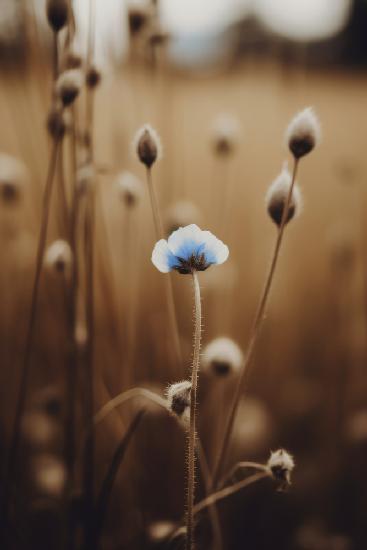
(255, 331)
(169, 287)
(13, 451)
(192, 428)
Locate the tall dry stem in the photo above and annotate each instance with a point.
(254, 334)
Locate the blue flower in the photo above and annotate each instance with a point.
(188, 249)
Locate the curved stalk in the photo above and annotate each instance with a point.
(259, 317)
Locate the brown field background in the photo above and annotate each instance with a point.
(307, 381)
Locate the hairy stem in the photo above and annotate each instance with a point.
(192, 428)
(255, 331)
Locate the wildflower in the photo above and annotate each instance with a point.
(303, 133)
(181, 213)
(178, 399)
(280, 465)
(277, 194)
(129, 188)
(225, 133)
(222, 357)
(148, 145)
(189, 249)
(11, 178)
(68, 86)
(59, 257)
(93, 77)
(57, 14)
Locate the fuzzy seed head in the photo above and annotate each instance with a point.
(73, 60)
(277, 195)
(58, 258)
(158, 531)
(56, 123)
(12, 175)
(68, 86)
(138, 17)
(178, 398)
(147, 145)
(180, 214)
(85, 179)
(93, 77)
(281, 465)
(129, 188)
(57, 14)
(49, 474)
(303, 133)
(222, 357)
(225, 134)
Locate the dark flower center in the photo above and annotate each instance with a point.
(195, 262)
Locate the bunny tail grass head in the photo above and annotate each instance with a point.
(222, 357)
(129, 188)
(225, 134)
(277, 194)
(12, 175)
(93, 77)
(178, 400)
(303, 133)
(85, 178)
(58, 257)
(159, 531)
(57, 123)
(181, 213)
(147, 145)
(57, 14)
(68, 86)
(189, 249)
(49, 475)
(281, 465)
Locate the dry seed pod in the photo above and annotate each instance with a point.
(225, 134)
(180, 214)
(222, 357)
(73, 60)
(179, 398)
(57, 14)
(93, 77)
(68, 86)
(49, 475)
(277, 195)
(158, 531)
(85, 178)
(56, 124)
(138, 17)
(147, 145)
(11, 178)
(58, 257)
(129, 187)
(281, 465)
(303, 133)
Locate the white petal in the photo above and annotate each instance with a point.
(215, 249)
(161, 256)
(184, 235)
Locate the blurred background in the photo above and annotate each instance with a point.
(195, 70)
